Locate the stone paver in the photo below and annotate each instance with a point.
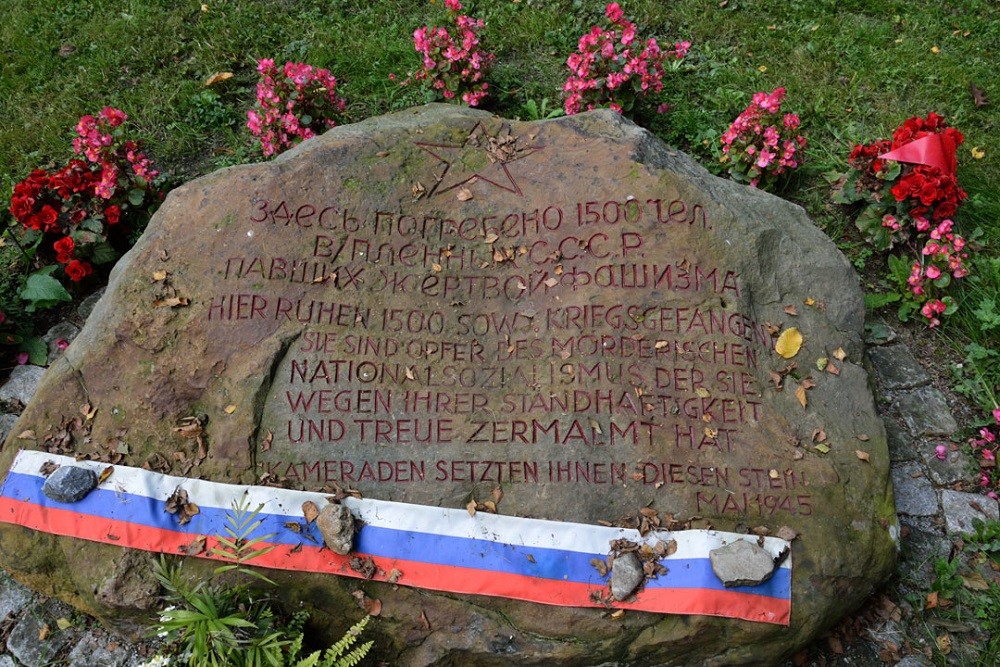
(961, 508)
(22, 384)
(91, 651)
(925, 412)
(24, 641)
(896, 368)
(13, 596)
(6, 425)
(915, 494)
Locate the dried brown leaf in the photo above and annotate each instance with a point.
(103, 477)
(464, 194)
(196, 547)
(310, 511)
(863, 456)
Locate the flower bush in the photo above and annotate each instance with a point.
(987, 447)
(81, 214)
(293, 102)
(912, 205)
(762, 144)
(612, 66)
(453, 65)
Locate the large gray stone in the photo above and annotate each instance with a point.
(399, 303)
(24, 641)
(915, 494)
(626, 575)
(13, 596)
(69, 484)
(742, 563)
(99, 650)
(22, 384)
(6, 425)
(895, 367)
(960, 509)
(925, 412)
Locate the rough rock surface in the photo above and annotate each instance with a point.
(498, 263)
(69, 484)
(626, 575)
(336, 525)
(742, 563)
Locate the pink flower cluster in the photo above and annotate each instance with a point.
(293, 101)
(612, 66)
(453, 65)
(83, 205)
(988, 446)
(761, 144)
(942, 258)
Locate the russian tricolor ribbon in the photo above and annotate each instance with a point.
(444, 549)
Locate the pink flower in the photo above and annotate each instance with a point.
(941, 452)
(62, 343)
(22, 358)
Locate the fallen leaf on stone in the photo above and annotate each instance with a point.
(218, 77)
(437, 268)
(371, 606)
(617, 613)
(863, 437)
(62, 623)
(800, 393)
(862, 455)
(464, 194)
(103, 477)
(822, 448)
(497, 494)
(789, 343)
(491, 238)
(551, 282)
(798, 455)
(821, 363)
(944, 643)
(839, 354)
(810, 301)
(365, 566)
(470, 507)
(171, 302)
(230, 409)
(268, 439)
(310, 511)
(702, 392)
(409, 373)
(43, 632)
(931, 602)
(424, 622)
(294, 526)
(787, 533)
(791, 310)
(26, 435)
(818, 435)
(48, 468)
(418, 190)
(600, 565)
(394, 576)
(87, 411)
(832, 369)
(194, 548)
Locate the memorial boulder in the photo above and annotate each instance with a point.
(515, 326)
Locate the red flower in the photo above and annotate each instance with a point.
(22, 207)
(3, 318)
(112, 214)
(64, 249)
(46, 220)
(77, 270)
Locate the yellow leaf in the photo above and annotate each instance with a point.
(63, 623)
(789, 343)
(159, 275)
(978, 153)
(821, 363)
(230, 409)
(935, 49)
(839, 354)
(762, 69)
(218, 77)
(810, 301)
(702, 392)
(822, 448)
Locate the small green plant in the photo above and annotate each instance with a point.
(541, 110)
(211, 624)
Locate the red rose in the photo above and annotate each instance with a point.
(77, 270)
(112, 214)
(64, 249)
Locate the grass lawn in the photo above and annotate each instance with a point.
(854, 70)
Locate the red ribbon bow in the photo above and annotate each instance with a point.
(933, 150)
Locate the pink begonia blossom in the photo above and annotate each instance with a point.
(612, 66)
(750, 145)
(454, 66)
(22, 358)
(941, 452)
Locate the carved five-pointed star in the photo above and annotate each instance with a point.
(480, 158)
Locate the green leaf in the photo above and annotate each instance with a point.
(135, 197)
(943, 281)
(43, 291)
(37, 349)
(876, 301)
(92, 225)
(103, 253)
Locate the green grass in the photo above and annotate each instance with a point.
(854, 70)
